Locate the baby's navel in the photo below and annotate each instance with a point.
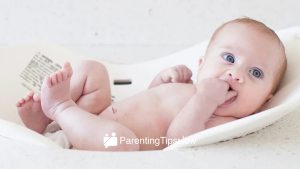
(113, 110)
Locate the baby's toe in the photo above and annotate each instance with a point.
(53, 79)
(68, 69)
(20, 102)
(59, 76)
(36, 97)
(30, 93)
(27, 98)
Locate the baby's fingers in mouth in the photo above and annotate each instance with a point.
(230, 97)
(231, 94)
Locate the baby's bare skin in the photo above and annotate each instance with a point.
(88, 90)
(150, 113)
(147, 114)
(173, 110)
(234, 80)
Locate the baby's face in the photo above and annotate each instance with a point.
(248, 60)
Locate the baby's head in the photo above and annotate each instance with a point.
(251, 58)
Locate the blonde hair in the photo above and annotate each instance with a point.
(265, 29)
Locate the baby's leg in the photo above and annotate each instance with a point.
(84, 130)
(89, 89)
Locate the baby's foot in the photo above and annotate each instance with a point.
(31, 113)
(55, 94)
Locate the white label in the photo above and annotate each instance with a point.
(37, 69)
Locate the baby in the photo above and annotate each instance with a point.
(242, 67)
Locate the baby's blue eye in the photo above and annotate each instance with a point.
(256, 72)
(229, 57)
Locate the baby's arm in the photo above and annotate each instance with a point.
(210, 93)
(192, 117)
(176, 74)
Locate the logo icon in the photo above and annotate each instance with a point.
(110, 141)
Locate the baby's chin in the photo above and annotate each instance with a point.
(227, 111)
(232, 111)
(221, 112)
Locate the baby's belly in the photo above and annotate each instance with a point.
(144, 117)
(145, 124)
(147, 114)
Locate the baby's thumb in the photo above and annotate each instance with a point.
(230, 95)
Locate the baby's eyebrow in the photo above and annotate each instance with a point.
(231, 49)
(226, 47)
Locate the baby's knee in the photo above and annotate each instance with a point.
(92, 66)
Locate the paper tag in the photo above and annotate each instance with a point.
(37, 69)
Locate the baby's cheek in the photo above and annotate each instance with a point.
(250, 103)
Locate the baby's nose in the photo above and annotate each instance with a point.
(231, 75)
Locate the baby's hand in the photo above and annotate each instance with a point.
(177, 74)
(215, 90)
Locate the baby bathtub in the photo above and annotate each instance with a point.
(126, 80)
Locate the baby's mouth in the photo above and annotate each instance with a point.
(230, 99)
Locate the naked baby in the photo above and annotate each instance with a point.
(241, 69)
